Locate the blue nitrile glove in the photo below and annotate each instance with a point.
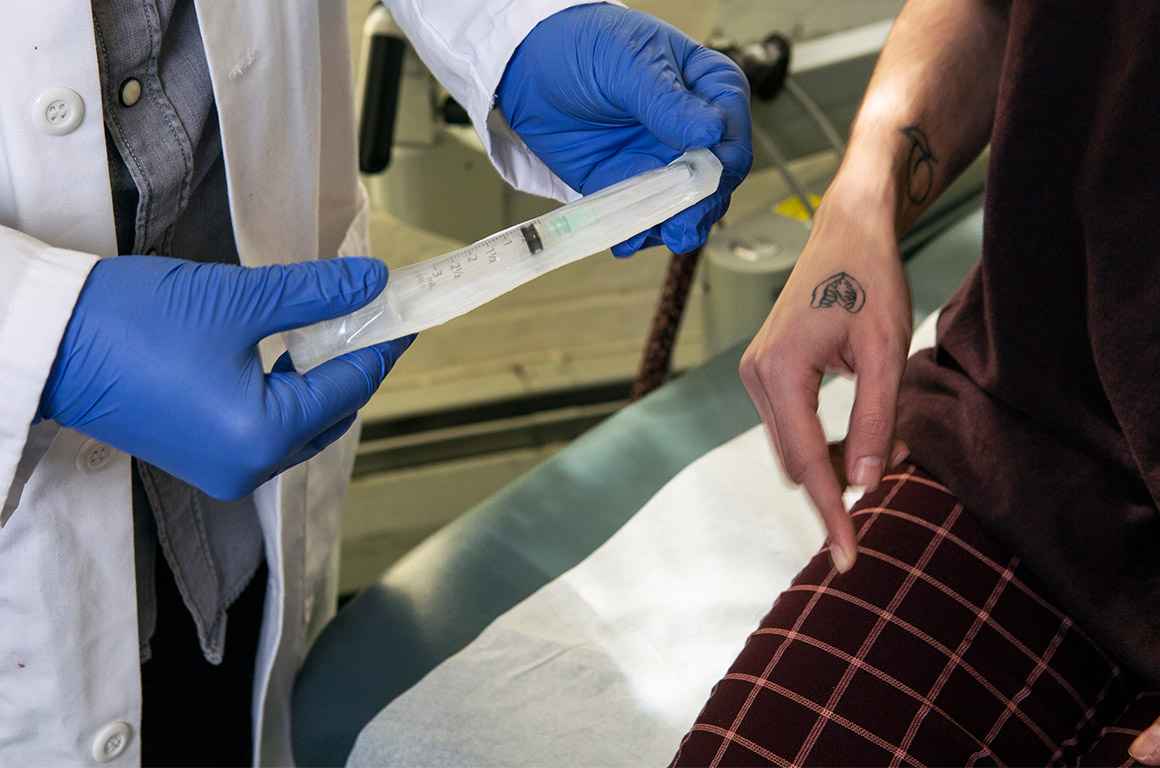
(160, 360)
(601, 93)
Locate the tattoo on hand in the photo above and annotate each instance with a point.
(919, 165)
(840, 290)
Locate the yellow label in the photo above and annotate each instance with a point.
(792, 208)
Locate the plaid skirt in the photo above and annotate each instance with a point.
(938, 648)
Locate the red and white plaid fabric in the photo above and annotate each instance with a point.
(938, 648)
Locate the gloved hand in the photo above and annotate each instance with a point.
(160, 360)
(601, 93)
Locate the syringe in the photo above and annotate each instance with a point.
(432, 292)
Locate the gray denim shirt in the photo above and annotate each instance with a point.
(170, 198)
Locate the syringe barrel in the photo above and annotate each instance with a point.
(432, 292)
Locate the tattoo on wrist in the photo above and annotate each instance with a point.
(920, 163)
(839, 290)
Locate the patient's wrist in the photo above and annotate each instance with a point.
(866, 190)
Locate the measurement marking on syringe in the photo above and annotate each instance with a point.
(463, 263)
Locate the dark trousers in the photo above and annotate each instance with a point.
(938, 648)
(196, 713)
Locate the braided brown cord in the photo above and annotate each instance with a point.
(658, 351)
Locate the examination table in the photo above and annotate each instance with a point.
(444, 595)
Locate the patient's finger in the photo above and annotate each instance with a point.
(1146, 747)
(869, 441)
(757, 394)
(807, 459)
(899, 453)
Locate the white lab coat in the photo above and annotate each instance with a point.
(69, 667)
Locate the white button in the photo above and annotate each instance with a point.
(58, 111)
(94, 456)
(111, 741)
(130, 91)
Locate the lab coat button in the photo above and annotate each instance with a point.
(130, 92)
(111, 741)
(94, 456)
(59, 111)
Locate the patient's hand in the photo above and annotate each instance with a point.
(846, 308)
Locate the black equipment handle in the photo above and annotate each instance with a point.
(765, 64)
(380, 108)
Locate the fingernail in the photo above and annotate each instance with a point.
(1146, 747)
(843, 560)
(867, 472)
(900, 454)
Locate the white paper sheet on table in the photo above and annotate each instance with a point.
(609, 664)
